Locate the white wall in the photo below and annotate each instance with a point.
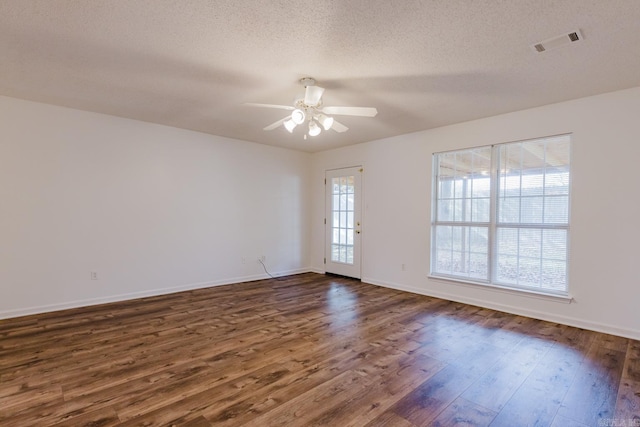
(605, 209)
(150, 208)
(155, 209)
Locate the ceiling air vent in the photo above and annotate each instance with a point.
(574, 37)
(558, 41)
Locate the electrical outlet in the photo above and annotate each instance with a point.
(404, 267)
(94, 275)
(244, 260)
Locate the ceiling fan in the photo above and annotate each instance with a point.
(311, 109)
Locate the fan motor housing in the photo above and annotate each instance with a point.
(307, 81)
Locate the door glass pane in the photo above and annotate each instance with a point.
(342, 209)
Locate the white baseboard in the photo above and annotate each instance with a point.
(550, 317)
(567, 320)
(7, 314)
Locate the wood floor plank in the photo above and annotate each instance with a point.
(105, 417)
(198, 422)
(537, 401)
(591, 397)
(491, 330)
(500, 382)
(462, 412)
(628, 400)
(399, 369)
(389, 419)
(252, 405)
(422, 405)
(304, 350)
(320, 401)
(390, 381)
(216, 391)
(28, 397)
(560, 421)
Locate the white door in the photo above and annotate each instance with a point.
(343, 221)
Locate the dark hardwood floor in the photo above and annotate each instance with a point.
(310, 350)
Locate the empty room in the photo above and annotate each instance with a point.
(319, 213)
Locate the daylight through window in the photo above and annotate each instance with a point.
(501, 214)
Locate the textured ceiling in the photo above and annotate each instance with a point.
(193, 63)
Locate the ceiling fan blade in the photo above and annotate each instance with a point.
(339, 127)
(351, 111)
(312, 95)
(274, 125)
(281, 107)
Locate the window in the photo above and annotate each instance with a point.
(501, 214)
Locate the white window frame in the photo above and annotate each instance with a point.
(493, 225)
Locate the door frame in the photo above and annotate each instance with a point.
(327, 222)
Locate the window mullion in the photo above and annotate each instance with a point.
(493, 212)
(435, 178)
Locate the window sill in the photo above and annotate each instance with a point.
(566, 299)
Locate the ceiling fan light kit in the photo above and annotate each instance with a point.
(311, 109)
(325, 121)
(289, 125)
(298, 116)
(314, 129)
